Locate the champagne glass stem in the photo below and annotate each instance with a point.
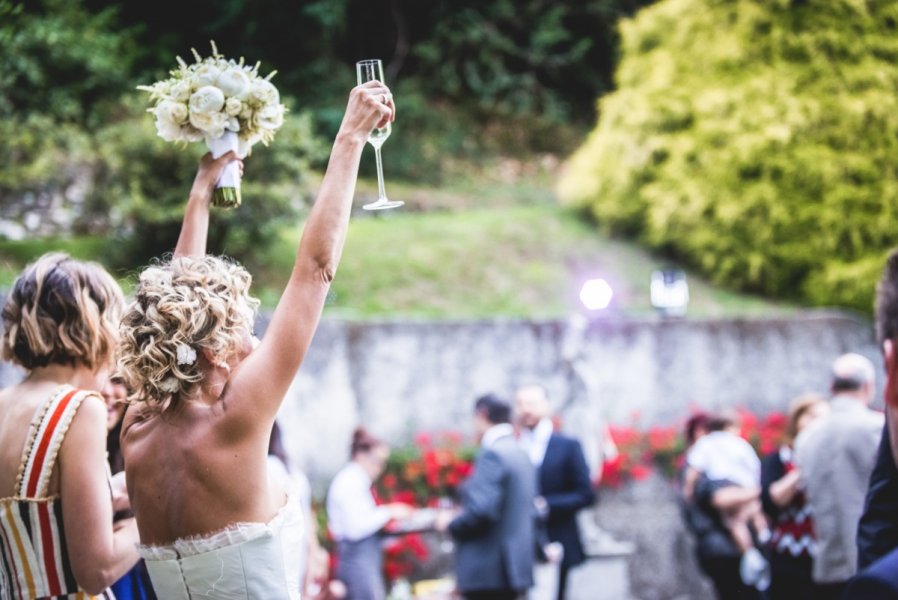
(381, 193)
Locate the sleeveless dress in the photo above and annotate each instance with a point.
(34, 562)
(245, 561)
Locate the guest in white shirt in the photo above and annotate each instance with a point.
(355, 520)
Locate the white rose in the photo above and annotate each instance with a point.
(211, 124)
(207, 99)
(206, 74)
(174, 112)
(168, 131)
(263, 92)
(191, 134)
(233, 82)
(180, 91)
(233, 107)
(270, 117)
(246, 114)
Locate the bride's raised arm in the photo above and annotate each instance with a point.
(195, 226)
(260, 382)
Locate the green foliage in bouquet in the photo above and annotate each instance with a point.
(757, 140)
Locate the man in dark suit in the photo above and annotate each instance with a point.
(563, 477)
(494, 531)
(878, 528)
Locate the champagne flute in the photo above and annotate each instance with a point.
(373, 70)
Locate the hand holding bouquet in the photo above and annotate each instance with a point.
(226, 103)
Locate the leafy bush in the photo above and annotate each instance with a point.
(141, 185)
(60, 70)
(756, 139)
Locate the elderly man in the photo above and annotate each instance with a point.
(836, 456)
(562, 474)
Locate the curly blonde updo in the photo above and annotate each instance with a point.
(62, 311)
(181, 308)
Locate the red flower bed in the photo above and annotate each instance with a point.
(421, 475)
(661, 448)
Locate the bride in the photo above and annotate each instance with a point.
(195, 440)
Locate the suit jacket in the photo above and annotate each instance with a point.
(877, 582)
(877, 532)
(564, 483)
(494, 532)
(836, 455)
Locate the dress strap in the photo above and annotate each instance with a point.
(45, 434)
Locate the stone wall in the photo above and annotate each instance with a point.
(401, 377)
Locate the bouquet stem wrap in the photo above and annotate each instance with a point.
(227, 190)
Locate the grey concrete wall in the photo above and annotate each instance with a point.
(400, 377)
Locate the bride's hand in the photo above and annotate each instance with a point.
(370, 105)
(209, 171)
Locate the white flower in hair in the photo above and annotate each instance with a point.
(186, 355)
(170, 385)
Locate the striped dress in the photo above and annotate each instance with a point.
(34, 562)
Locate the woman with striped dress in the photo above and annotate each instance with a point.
(57, 538)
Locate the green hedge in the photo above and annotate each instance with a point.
(755, 139)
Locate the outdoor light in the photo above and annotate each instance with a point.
(670, 293)
(596, 294)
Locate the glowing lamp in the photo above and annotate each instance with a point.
(596, 294)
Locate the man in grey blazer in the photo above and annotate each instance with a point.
(494, 530)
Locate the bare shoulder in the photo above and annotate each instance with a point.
(91, 413)
(137, 413)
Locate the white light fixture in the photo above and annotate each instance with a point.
(596, 294)
(670, 292)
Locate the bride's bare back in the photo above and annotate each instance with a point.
(188, 477)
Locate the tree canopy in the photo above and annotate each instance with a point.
(757, 140)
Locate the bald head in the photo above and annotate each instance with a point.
(532, 405)
(853, 374)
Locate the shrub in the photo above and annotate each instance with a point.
(756, 140)
(141, 185)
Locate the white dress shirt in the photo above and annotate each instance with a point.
(352, 514)
(535, 441)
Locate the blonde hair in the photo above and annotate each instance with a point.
(181, 308)
(62, 311)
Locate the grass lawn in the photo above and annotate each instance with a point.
(471, 249)
(511, 261)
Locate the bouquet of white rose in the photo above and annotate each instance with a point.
(226, 103)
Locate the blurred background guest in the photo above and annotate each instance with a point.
(135, 584)
(792, 541)
(836, 456)
(563, 484)
(313, 562)
(356, 521)
(494, 532)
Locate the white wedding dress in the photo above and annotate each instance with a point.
(246, 561)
